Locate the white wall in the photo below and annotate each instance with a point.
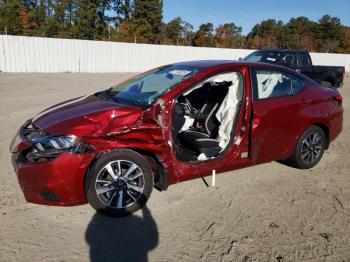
(331, 59)
(51, 55)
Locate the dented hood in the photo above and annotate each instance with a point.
(87, 116)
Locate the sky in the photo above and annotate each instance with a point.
(247, 13)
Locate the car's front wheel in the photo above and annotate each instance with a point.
(119, 183)
(310, 148)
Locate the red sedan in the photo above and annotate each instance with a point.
(171, 124)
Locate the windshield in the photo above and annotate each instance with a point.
(263, 56)
(254, 57)
(146, 88)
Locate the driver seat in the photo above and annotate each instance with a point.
(203, 142)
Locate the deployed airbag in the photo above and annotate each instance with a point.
(227, 111)
(267, 83)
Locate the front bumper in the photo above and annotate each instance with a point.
(59, 181)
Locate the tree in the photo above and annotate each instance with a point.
(147, 21)
(102, 21)
(123, 9)
(85, 20)
(228, 36)
(141, 21)
(125, 33)
(177, 32)
(188, 34)
(345, 44)
(204, 36)
(269, 33)
(330, 33)
(173, 30)
(300, 34)
(10, 17)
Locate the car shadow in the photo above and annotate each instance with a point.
(127, 238)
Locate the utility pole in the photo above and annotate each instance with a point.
(5, 30)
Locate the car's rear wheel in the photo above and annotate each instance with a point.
(119, 183)
(310, 148)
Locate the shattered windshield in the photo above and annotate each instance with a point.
(145, 88)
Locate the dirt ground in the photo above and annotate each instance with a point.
(269, 212)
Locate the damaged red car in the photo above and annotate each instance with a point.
(171, 124)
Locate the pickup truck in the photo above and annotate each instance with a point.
(300, 61)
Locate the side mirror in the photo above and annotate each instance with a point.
(240, 59)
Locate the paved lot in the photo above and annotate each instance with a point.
(264, 213)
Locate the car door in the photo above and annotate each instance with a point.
(276, 113)
(236, 153)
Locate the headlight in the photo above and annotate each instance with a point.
(49, 146)
(61, 143)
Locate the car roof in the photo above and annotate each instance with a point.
(212, 64)
(207, 64)
(281, 50)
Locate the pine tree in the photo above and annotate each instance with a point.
(85, 20)
(147, 19)
(268, 33)
(173, 31)
(58, 22)
(102, 22)
(300, 34)
(37, 17)
(330, 33)
(10, 17)
(228, 36)
(204, 36)
(123, 9)
(177, 32)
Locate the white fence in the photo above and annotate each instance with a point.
(51, 55)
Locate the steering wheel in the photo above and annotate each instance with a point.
(189, 109)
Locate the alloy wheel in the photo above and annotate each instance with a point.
(311, 148)
(120, 184)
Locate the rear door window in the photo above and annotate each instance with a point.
(271, 57)
(289, 59)
(270, 83)
(303, 59)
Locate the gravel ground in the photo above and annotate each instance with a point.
(268, 212)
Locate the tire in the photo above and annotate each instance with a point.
(119, 183)
(307, 156)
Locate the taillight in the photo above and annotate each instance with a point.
(339, 99)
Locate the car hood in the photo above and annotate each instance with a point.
(87, 116)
